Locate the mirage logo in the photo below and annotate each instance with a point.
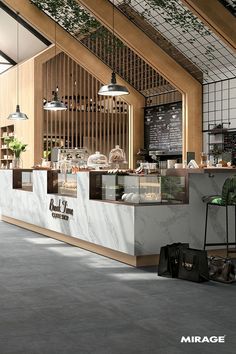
(205, 339)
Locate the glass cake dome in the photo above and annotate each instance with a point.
(117, 155)
(97, 160)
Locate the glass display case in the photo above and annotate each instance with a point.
(144, 189)
(64, 184)
(23, 179)
(67, 184)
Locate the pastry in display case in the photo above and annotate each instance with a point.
(139, 189)
(117, 156)
(131, 189)
(142, 189)
(67, 184)
(112, 187)
(97, 161)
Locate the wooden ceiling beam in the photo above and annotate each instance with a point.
(137, 40)
(216, 17)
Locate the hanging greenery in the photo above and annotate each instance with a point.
(76, 20)
(174, 14)
(72, 17)
(230, 5)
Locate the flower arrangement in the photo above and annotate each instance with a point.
(15, 145)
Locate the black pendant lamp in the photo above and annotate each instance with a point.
(56, 104)
(17, 115)
(113, 89)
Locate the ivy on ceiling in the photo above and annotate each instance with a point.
(76, 20)
(174, 14)
(178, 16)
(230, 5)
(69, 15)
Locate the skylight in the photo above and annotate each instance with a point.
(5, 62)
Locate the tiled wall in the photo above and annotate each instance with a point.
(219, 106)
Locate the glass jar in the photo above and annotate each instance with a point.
(203, 159)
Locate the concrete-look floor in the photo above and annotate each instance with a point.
(55, 298)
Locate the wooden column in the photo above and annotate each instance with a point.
(216, 17)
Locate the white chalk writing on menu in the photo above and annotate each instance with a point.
(163, 127)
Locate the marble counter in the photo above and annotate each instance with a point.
(132, 230)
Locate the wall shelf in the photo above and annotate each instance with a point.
(6, 131)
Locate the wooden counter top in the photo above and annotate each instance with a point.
(204, 170)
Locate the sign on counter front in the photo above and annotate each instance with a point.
(60, 211)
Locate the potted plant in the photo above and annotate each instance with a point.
(216, 152)
(17, 147)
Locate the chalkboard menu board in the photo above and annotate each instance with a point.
(163, 128)
(229, 147)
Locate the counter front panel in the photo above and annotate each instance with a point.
(131, 229)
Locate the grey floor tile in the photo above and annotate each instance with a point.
(55, 298)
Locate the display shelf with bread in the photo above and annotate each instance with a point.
(62, 184)
(139, 189)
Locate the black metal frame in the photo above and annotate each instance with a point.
(229, 6)
(5, 56)
(227, 243)
(217, 111)
(206, 51)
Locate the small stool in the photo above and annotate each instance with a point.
(228, 198)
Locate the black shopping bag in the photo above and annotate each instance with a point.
(169, 259)
(221, 269)
(193, 265)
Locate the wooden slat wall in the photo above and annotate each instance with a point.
(96, 122)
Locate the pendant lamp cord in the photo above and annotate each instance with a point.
(113, 36)
(17, 58)
(56, 86)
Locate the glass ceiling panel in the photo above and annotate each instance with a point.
(85, 28)
(5, 63)
(187, 33)
(3, 60)
(229, 5)
(4, 67)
